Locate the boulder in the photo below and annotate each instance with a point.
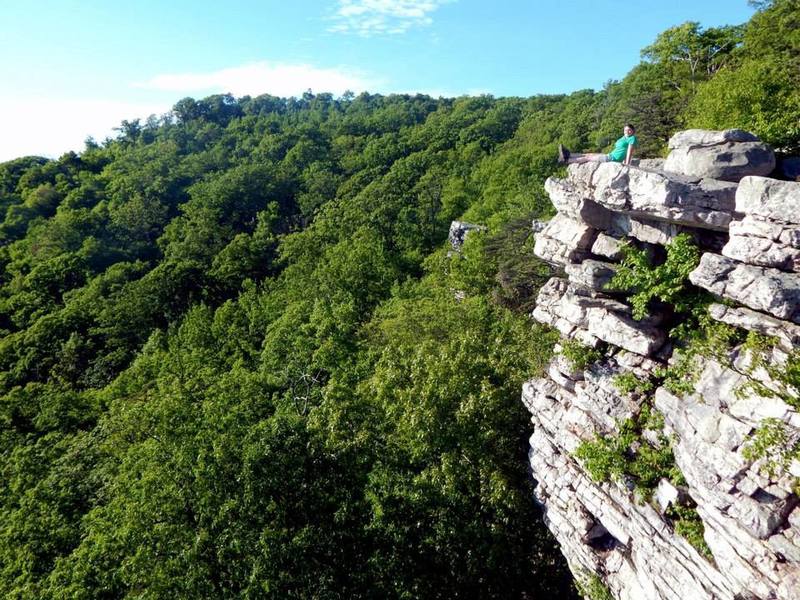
(764, 243)
(728, 155)
(459, 231)
(699, 138)
(764, 289)
(769, 199)
(704, 203)
(564, 240)
(593, 274)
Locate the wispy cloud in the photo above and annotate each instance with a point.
(279, 79)
(376, 17)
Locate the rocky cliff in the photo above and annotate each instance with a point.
(666, 433)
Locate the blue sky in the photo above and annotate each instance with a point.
(76, 68)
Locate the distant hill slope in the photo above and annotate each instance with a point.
(234, 362)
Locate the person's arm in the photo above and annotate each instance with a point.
(628, 158)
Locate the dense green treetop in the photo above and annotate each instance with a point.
(237, 359)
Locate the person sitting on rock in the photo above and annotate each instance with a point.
(622, 152)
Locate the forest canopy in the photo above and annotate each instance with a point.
(239, 359)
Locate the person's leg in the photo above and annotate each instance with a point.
(584, 158)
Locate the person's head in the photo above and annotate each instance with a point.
(628, 129)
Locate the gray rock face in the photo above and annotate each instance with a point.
(564, 240)
(608, 247)
(763, 289)
(569, 200)
(651, 195)
(641, 558)
(593, 274)
(764, 243)
(651, 164)
(699, 138)
(786, 334)
(567, 308)
(649, 206)
(727, 155)
(750, 515)
(459, 231)
(739, 505)
(769, 233)
(770, 199)
(662, 233)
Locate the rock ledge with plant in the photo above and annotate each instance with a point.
(666, 441)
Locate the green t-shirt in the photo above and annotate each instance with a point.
(620, 150)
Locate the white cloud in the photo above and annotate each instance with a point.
(375, 17)
(278, 79)
(52, 126)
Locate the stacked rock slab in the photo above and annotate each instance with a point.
(711, 187)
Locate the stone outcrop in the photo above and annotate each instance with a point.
(459, 230)
(654, 195)
(564, 240)
(726, 155)
(764, 289)
(769, 233)
(750, 514)
(570, 309)
(786, 334)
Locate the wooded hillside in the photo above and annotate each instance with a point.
(234, 362)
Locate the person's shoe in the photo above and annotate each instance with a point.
(563, 155)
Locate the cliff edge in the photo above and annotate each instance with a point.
(666, 432)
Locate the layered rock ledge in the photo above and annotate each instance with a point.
(711, 187)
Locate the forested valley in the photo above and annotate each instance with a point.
(239, 359)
